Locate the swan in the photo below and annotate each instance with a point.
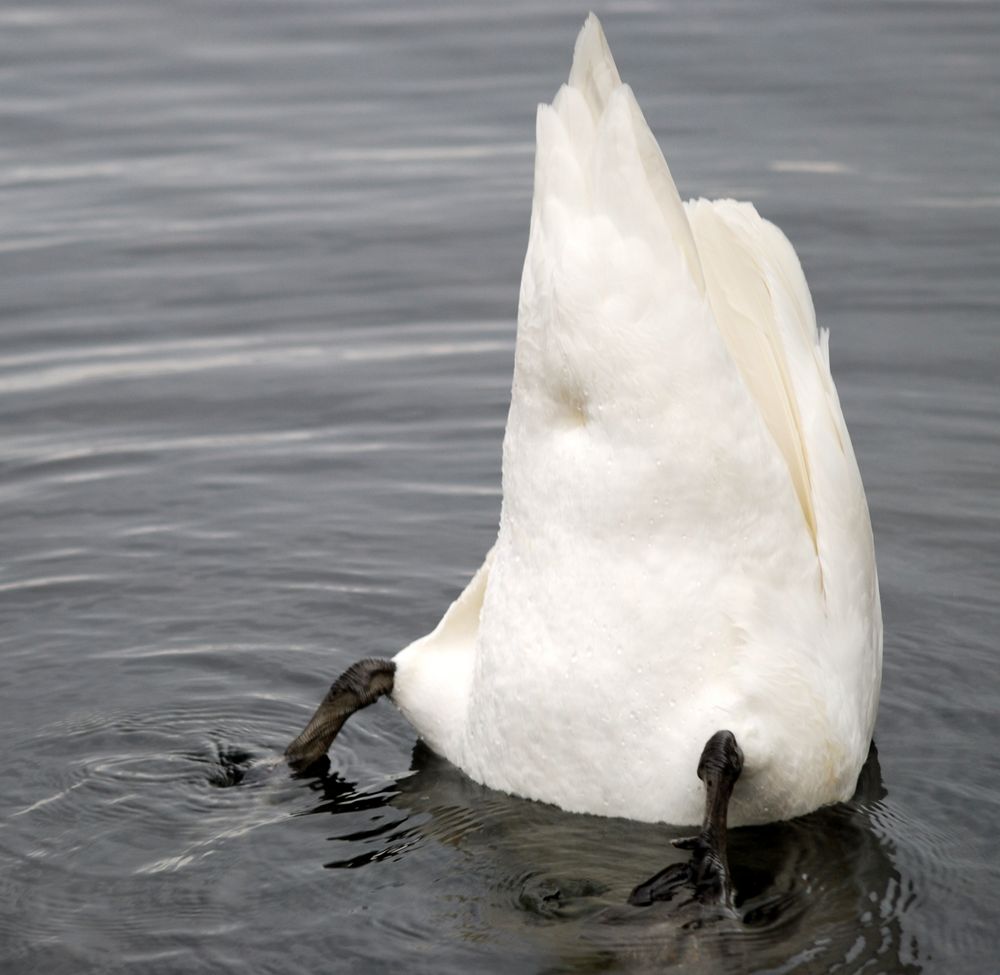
(683, 584)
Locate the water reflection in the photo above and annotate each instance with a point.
(813, 894)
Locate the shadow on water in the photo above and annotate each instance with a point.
(814, 894)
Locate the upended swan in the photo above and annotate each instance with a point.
(684, 575)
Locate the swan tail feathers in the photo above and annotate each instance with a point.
(597, 160)
(594, 72)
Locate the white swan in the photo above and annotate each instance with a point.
(685, 543)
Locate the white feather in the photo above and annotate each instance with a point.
(684, 544)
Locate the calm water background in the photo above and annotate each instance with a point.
(259, 266)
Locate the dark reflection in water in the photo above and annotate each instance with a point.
(259, 268)
(820, 891)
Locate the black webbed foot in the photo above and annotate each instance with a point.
(664, 886)
(361, 684)
(706, 874)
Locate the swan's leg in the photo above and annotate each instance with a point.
(708, 869)
(361, 684)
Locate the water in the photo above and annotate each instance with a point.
(259, 270)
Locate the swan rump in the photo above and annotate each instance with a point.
(684, 542)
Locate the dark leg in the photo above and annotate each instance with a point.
(708, 869)
(361, 684)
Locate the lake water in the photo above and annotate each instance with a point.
(260, 264)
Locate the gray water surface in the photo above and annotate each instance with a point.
(259, 267)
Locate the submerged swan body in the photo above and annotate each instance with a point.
(684, 543)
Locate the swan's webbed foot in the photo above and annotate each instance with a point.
(361, 684)
(707, 872)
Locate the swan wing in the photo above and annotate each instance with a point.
(764, 311)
